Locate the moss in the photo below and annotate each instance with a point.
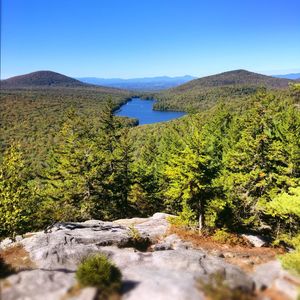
(216, 288)
(97, 271)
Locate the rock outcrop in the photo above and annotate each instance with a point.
(168, 268)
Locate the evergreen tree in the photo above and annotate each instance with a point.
(188, 175)
(145, 193)
(67, 183)
(257, 161)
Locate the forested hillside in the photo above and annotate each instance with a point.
(203, 93)
(41, 79)
(33, 117)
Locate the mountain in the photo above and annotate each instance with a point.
(203, 93)
(289, 76)
(139, 84)
(234, 78)
(41, 79)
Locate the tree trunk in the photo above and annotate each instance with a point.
(200, 217)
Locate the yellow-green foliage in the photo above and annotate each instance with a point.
(225, 237)
(134, 233)
(15, 207)
(291, 261)
(99, 272)
(137, 241)
(221, 235)
(285, 207)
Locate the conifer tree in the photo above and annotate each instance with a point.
(67, 181)
(257, 159)
(189, 179)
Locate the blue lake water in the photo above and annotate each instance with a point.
(143, 111)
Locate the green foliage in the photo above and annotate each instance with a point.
(235, 166)
(87, 174)
(260, 158)
(188, 180)
(202, 94)
(285, 208)
(134, 233)
(33, 117)
(15, 195)
(291, 261)
(221, 236)
(97, 271)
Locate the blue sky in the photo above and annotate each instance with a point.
(136, 38)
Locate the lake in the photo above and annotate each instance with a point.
(143, 111)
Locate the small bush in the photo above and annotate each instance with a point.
(134, 233)
(137, 241)
(99, 272)
(224, 237)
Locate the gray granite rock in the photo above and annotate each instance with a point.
(170, 270)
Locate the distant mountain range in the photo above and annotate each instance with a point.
(139, 84)
(289, 76)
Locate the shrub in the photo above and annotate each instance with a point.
(224, 237)
(137, 241)
(99, 272)
(221, 236)
(134, 233)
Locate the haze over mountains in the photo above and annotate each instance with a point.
(289, 76)
(139, 84)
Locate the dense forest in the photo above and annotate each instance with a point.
(233, 167)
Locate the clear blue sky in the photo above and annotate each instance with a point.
(134, 38)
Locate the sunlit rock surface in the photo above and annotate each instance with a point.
(169, 268)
